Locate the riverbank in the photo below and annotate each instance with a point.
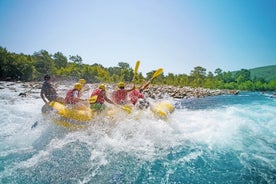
(153, 91)
(159, 91)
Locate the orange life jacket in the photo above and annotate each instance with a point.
(69, 99)
(120, 96)
(134, 95)
(100, 97)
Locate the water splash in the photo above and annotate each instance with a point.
(230, 140)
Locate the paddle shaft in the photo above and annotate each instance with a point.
(156, 74)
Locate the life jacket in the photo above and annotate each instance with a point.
(120, 96)
(98, 93)
(69, 99)
(134, 95)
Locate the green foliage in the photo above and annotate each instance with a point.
(271, 85)
(266, 73)
(76, 59)
(28, 68)
(242, 76)
(4, 63)
(121, 73)
(44, 63)
(24, 68)
(198, 72)
(16, 66)
(123, 65)
(60, 60)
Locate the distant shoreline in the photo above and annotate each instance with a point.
(153, 91)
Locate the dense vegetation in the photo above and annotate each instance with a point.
(23, 67)
(267, 73)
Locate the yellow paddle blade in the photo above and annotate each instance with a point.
(126, 108)
(93, 99)
(157, 73)
(136, 69)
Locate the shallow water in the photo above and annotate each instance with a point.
(223, 139)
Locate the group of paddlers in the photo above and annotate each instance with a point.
(120, 96)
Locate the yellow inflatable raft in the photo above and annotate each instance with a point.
(76, 119)
(68, 117)
(162, 109)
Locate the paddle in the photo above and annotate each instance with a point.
(34, 125)
(126, 108)
(93, 99)
(155, 74)
(135, 70)
(24, 94)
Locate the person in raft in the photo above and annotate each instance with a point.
(73, 98)
(84, 87)
(48, 93)
(137, 95)
(120, 96)
(98, 97)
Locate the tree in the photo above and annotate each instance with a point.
(242, 76)
(210, 75)
(102, 74)
(170, 79)
(272, 85)
(44, 63)
(123, 70)
(60, 60)
(149, 75)
(183, 80)
(3, 62)
(227, 77)
(124, 65)
(198, 72)
(218, 73)
(25, 67)
(197, 76)
(76, 59)
(73, 71)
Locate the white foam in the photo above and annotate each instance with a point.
(139, 134)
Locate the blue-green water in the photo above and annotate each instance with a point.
(223, 139)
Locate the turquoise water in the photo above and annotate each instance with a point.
(223, 139)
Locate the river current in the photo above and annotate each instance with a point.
(220, 139)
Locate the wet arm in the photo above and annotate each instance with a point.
(106, 98)
(43, 97)
(128, 90)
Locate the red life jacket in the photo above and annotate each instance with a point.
(134, 95)
(98, 93)
(120, 96)
(69, 99)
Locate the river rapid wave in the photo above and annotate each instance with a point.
(217, 139)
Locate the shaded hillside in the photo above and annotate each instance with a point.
(267, 73)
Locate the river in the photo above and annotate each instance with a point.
(220, 139)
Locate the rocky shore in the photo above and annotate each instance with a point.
(162, 91)
(153, 91)
(185, 92)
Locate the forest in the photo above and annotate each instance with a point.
(22, 67)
